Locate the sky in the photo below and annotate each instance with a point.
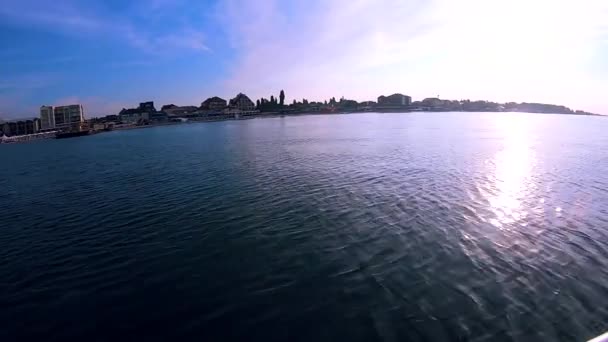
(113, 54)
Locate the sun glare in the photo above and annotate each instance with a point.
(512, 167)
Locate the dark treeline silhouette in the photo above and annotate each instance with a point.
(274, 104)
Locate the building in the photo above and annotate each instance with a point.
(21, 127)
(432, 103)
(165, 108)
(147, 107)
(173, 110)
(214, 103)
(141, 114)
(242, 102)
(344, 104)
(69, 118)
(9, 128)
(47, 118)
(132, 116)
(395, 100)
(367, 106)
(159, 117)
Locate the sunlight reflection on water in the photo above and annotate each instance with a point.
(511, 174)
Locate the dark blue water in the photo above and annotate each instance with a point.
(367, 227)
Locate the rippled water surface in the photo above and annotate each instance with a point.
(363, 227)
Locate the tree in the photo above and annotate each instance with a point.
(294, 102)
(272, 99)
(282, 98)
(325, 102)
(258, 104)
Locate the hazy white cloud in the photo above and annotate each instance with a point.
(192, 40)
(521, 50)
(161, 44)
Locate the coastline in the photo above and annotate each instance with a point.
(24, 138)
(279, 115)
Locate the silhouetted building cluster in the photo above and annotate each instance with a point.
(20, 127)
(145, 112)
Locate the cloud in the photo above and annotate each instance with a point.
(163, 44)
(188, 39)
(57, 15)
(74, 18)
(518, 50)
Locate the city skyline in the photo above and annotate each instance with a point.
(108, 55)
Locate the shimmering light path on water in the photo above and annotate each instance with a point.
(392, 227)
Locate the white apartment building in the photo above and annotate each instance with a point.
(47, 117)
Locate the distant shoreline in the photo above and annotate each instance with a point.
(282, 115)
(269, 115)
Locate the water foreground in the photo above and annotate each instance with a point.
(417, 227)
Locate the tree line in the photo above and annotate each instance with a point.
(274, 104)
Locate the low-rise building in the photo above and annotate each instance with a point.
(367, 105)
(432, 102)
(9, 128)
(173, 110)
(159, 117)
(395, 100)
(242, 102)
(132, 116)
(69, 118)
(141, 114)
(147, 107)
(214, 103)
(21, 127)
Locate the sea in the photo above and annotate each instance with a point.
(342, 227)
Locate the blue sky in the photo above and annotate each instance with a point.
(110, 54)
